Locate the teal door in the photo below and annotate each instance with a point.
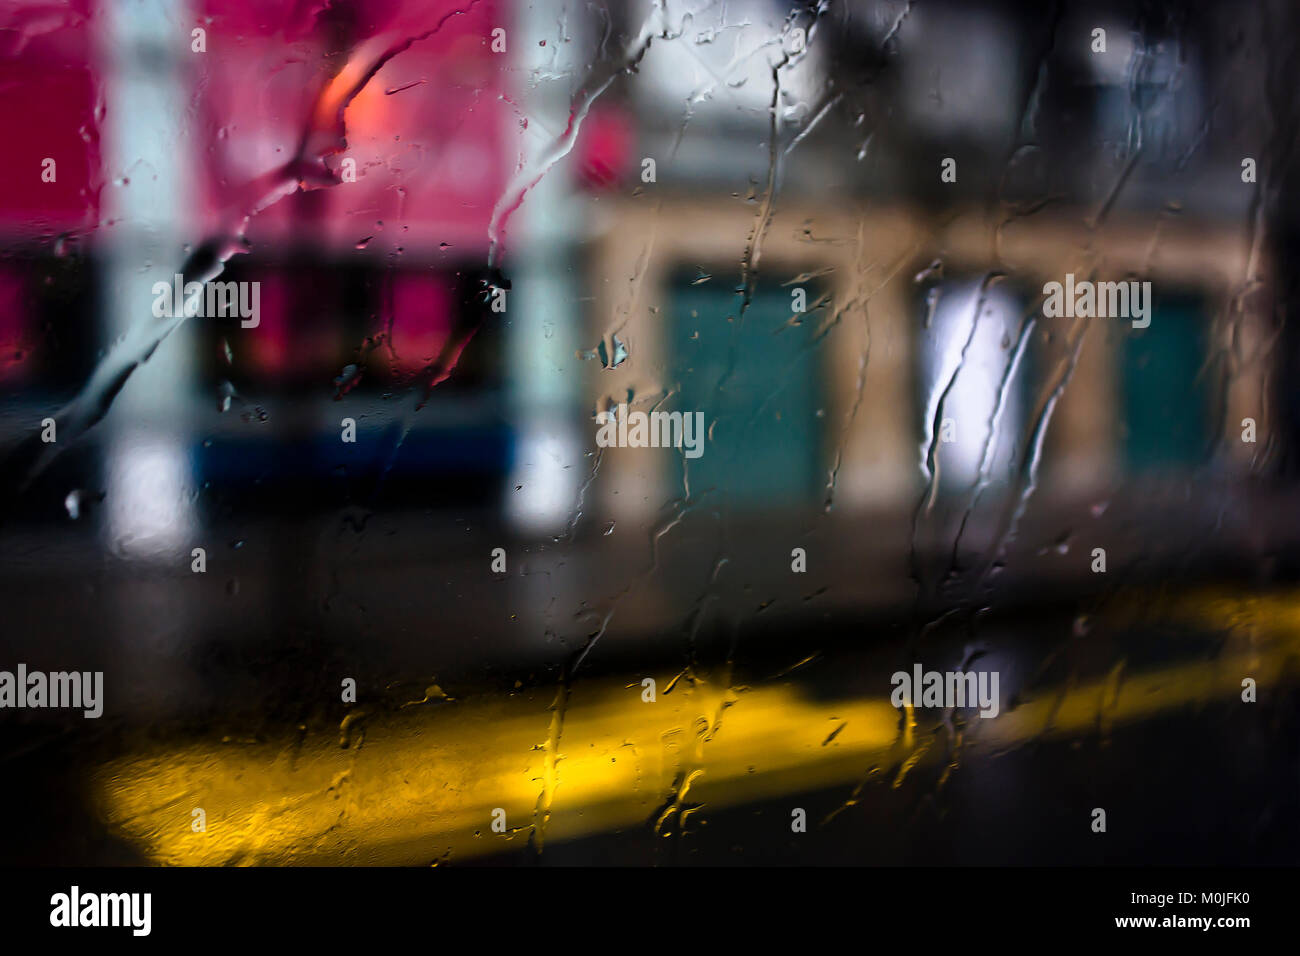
(758, 383)
(1165, 404)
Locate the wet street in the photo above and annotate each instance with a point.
(225, 694)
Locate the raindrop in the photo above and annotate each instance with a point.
(931, 304)
(225, 392)
(619, 356)
(347, 379)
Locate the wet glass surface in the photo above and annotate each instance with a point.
(648, 433)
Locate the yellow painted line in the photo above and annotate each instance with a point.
(423, 782)
(426, 780)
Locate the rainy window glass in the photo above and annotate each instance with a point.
(648, 433)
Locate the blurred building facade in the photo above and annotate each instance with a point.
(795, 148)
